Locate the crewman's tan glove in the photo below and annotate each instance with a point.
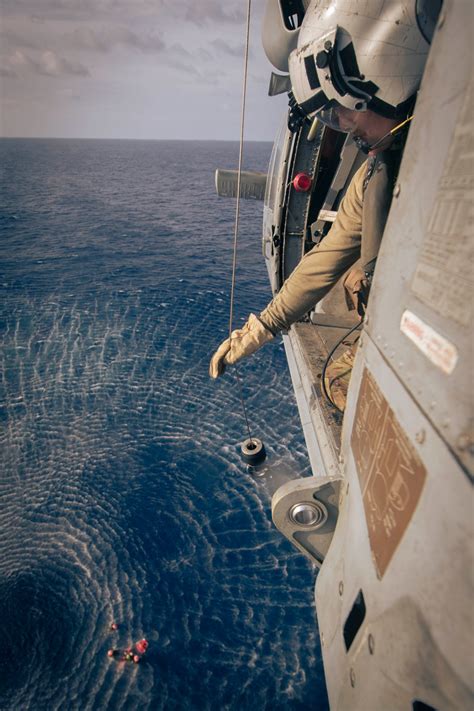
(243, 342)
(357, 288)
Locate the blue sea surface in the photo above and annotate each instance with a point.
(123, 496)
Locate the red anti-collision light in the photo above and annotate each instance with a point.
(302, 182)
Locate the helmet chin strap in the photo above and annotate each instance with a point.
(366, 148)
(362, 145)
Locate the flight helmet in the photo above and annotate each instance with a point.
(361, 54)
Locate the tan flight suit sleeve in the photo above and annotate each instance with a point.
(321, 268)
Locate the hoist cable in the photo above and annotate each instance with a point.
(239, 171)
(237, 207)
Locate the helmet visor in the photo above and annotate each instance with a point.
(337, 117)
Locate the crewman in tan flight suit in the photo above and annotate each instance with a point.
(374, 107)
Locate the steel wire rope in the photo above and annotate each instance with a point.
(237, 207)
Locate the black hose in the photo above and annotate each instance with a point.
(326, 362)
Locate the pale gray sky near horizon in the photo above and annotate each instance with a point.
(155, 69)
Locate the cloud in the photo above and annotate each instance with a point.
(51, 64)
(215, 11)
(66, 10)
(7, 72)
(12, 38)
(19, 60)
(48, 63)
(107, 38)
(176, 58)
(224, 47)
(190, 63)
(168, 13)
(197, 11)
(83, 38)
(212, 11)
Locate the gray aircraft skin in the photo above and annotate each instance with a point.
(387, 514)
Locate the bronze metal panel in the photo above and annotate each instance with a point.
(391, 473)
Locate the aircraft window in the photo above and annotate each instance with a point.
(293, 13)
(354, 620)
(427, 13)
(421, 706)
(273, 169)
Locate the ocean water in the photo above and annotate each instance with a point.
(123, 497)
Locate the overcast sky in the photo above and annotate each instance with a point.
(133, 69)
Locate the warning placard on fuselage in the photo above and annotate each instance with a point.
(443, 277)
(391, 473)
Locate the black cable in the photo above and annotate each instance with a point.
(326, 362)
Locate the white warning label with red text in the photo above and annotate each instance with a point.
(441, 352)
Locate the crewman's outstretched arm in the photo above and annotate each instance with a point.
(321, 268)
(314, 276)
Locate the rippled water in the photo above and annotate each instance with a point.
(122, 494)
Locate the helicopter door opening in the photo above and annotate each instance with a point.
(295, 221)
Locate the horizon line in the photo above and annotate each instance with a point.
(101, 138)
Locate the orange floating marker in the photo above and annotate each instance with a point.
(136, 659)
(111, 653)
(302, 182)
(114, 626)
